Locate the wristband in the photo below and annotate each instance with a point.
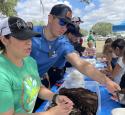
(54, 98)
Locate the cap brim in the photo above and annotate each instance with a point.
(25, 34)
(67, 20)
(81, 21)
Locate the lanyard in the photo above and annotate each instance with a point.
(51, 46)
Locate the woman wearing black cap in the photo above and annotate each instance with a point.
(19, 79)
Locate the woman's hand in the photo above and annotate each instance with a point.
(60, 109)
(60, 99)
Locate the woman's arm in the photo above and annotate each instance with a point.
(11, 112)
(46, 94)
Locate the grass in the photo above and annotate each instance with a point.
(99, 46)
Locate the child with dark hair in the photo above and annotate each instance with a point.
(119, 49)
(108, 40)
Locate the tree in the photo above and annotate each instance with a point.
(38, 23)
(84, 32)
(102, 28)
(86, 1)
(7, 7)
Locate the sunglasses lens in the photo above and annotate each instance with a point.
(62, 22)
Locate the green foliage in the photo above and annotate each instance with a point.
(38, 23)
(102, 28)
(86, 1)
(84, 32)
(7, 7)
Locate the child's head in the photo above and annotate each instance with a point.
(108, 40)
(107, 51)
(90, 44)
(118, 46)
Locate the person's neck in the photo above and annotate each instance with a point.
(48, 35)
(14, 59)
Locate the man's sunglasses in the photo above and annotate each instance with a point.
(62, 21)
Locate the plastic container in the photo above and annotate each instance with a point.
(118, 111)
(92, 86)
(90, 60)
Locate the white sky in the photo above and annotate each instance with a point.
(108, 11)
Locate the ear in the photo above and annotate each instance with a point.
(69, 34)
(50, 18)
(4, 41)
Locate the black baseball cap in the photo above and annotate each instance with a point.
(17, 28)
(74, 29)
(62, 11)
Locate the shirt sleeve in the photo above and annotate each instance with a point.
(6, 95)
(68, 48)
(120, 62)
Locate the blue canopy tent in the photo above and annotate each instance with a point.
(118, 28)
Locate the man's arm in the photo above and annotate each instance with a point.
(86, 68)
(47, 94)
(89, 70)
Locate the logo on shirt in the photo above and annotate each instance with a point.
(29, 93)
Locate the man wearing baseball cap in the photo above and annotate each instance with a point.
(56, 72)
(53, 45)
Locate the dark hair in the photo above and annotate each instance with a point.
(60, 10)
(107, 48)
(120, 43)
(108, 40)
(2, 47)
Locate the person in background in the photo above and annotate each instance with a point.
(90, 51)
(108, 40)
(77, 21)
(91, 38)
(74, 35)
(118, 47)
(54, 46)
(30, 25)
(122, 82)
(114, 57)
(19, 79)
(107, 55)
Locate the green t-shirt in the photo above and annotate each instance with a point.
(90, 37)
(19, 86)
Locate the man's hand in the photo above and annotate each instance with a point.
(112, 86)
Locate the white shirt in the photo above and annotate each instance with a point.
(117, 78)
